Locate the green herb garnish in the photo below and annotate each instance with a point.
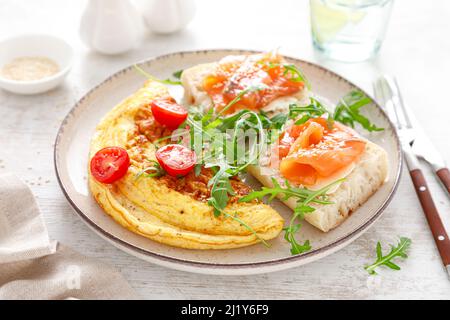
(224, 168)
(221, 189)
(149, 76)
(284, 193)
(314, 110)
(236, 218)
(346, 112)
(277, 121)
(304, 197)
(296, 74)
(398, 251)
(151, 172)
(177, 74)
(293, 71)
(209, 126)
(239, 96)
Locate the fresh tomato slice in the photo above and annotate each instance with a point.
(110, 164)
(176, 159)
(168, 113)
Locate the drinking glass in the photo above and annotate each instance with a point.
(349, 30)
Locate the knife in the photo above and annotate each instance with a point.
(421, 145)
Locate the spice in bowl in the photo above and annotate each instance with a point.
(29, 68)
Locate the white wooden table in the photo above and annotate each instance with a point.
(417, 50)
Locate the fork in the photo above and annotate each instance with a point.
(420, 143)
(387, 93)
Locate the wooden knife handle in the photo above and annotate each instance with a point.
(444, 175)
(432, 215)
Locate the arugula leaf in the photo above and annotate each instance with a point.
(154, 171)
(398, 251)
(225, 168)
(300, 210)
(236, 218)
(347, 111)
(149, 76)
(303, 196)
(284, 193)
(314, 110)
(220, 191)
(170, 137)
(239, 96)
(207, 125)
(296, 248)
(296, 74)
(177, 74)
(278, 121)
(197, 169)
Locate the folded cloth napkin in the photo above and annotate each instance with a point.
(34, 267)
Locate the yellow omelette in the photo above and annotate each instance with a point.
(169, 210)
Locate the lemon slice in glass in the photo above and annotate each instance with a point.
(328, 17)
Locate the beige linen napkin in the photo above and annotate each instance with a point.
(33, 267)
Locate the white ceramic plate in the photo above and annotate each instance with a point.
(71, 157)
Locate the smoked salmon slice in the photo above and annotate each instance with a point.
(313, 150)
(232, 78)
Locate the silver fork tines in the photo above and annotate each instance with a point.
(388, 94)
(397, 101)
(387, 90)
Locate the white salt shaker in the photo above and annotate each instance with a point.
(166, 16)
(110, 26)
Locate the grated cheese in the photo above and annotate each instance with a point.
(29, 68)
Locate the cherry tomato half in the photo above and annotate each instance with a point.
(169, 113)
(110, 164)
(176, 160)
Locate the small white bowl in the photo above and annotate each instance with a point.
(31, 45)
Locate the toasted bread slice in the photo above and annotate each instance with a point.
(368, 174)
(194, 94)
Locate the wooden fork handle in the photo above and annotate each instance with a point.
(444, 175)
(437, 228)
